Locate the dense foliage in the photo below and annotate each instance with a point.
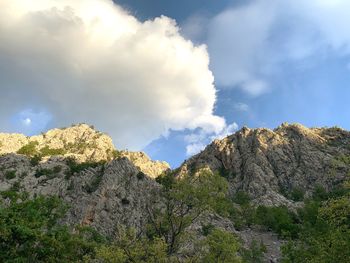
(318, 232)
(324, 230)
(30, 230)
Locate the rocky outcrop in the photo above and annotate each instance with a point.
(152, 168)
(103, 196)
(83, 143)
(104, 188)
(272, 165)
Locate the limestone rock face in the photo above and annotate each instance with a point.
(152, 168)
(104, 188)
(83, 143)
(272, 164)
(105, 197)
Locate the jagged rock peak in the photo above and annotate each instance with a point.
(80, 141)
(271, 165)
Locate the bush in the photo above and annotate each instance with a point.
(140, 175)
(42, 172)
(222, 247)
(241, 198)
(47, 151)
(279, 219)
(29, 149)
(255, 252)
(297, 195)
(75, 167)
(10, 174)
(207, 229)
(225, 172)
(116, 154)
(35, 160)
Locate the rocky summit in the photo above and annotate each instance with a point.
(271, 165)
(108, 188)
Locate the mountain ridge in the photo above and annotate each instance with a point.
(107, 188)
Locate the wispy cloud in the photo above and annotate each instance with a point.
(197, 141)
(240, 106)
(251, 44)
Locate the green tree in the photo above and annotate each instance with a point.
(130, 247)
(222, 248)
(185, 199)
(29, 232)
(325, 233)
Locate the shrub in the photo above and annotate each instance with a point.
(255, 252)
(75, 167)
(241, 198)
(10, 174)
(35, 160)
(297, 194)
(116, 154)
(279, 219)
(77, 147)
(42, 172)
(140, 175)
(225, 172)
(222, 247)
(319, 193)
(15, 187)
(29, 149)
(47, 151)
(207, 229)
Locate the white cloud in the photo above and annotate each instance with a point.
(27, 121)
(251, 44)
(197, 141)
(194, 148)
(91, 61)
(240, 106)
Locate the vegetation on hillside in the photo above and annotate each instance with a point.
(30, 230)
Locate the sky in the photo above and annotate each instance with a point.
(168, 77)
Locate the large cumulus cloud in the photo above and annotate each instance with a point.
(91, 61)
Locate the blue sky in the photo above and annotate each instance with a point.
(272, 62)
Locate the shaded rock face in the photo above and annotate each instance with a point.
(272, 164)
(113, 189)
(111, 196)
(105, 197)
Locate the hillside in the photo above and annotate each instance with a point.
(274, 166)
(109, 190)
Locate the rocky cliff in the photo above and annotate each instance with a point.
(272, 165)
(104, 187)
(107, 188)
